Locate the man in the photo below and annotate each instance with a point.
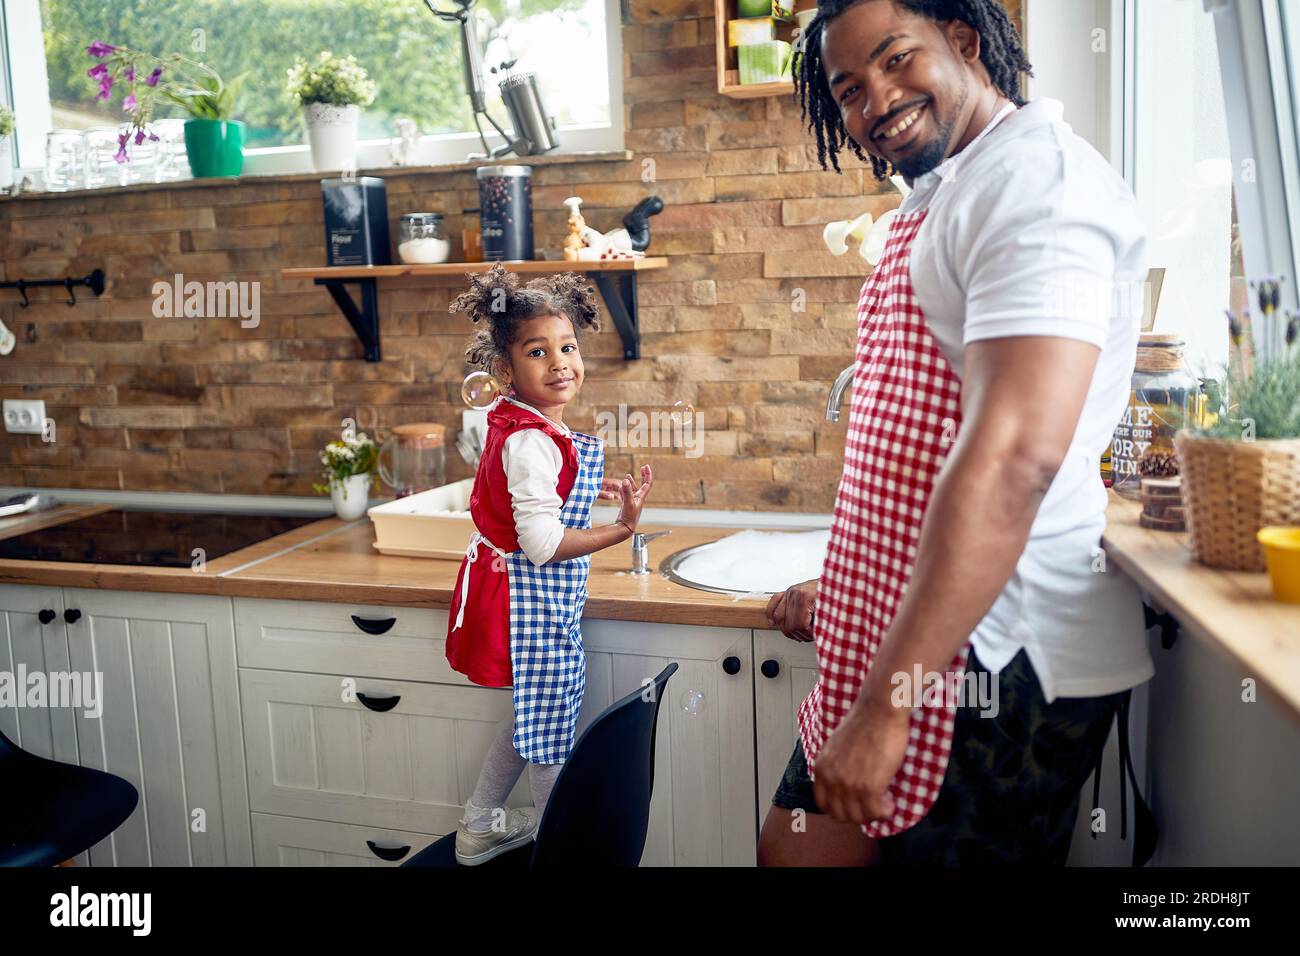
(997, 337)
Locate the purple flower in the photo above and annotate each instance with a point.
(130, 73)
(98, 70)
(100, 49)
(139, 136)
(153, 137)
(120, 155)
(129, 103)
(105, 87)
(152, 78)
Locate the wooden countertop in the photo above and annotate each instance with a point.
(334, 560)
(1233, 611)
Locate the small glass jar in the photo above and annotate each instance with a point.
(422, 239)
(65, 160)
(471, 236)
(1165, 396)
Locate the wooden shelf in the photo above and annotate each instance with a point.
(615, 279)
(728, 64)
(459, 269)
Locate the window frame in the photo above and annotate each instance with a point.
(431, 149)
(1261, 130)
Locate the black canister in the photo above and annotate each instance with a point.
(356, 221)
(506, 216)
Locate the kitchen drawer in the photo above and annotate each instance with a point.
(295, 841)
(312, 753)
(323, 638)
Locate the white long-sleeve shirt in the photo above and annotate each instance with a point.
(532, 462)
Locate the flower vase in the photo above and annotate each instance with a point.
(350, 495)
(332, 134)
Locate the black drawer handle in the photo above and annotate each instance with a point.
(380, 704)
(731, 665)
(770, 669)
(373, 626)
(389, 853)
(45, 615)
(72, 615)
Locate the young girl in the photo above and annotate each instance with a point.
(518, 600)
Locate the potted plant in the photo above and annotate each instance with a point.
(6, 148)
(350, 473)
(331, 91)
(1241, 472)
(214, 143)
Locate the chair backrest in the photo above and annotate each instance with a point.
(599, 809)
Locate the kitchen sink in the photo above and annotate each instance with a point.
(750, 563)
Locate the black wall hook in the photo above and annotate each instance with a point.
(94, 282)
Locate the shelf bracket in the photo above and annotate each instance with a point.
(619, 293)
(364, 320)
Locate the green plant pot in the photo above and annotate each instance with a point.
(214, 147)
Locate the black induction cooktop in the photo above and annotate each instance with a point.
(165, 539)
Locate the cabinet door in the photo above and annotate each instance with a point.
(170, 724)
(316, 751)
(29, 648)
(702, 812)
(792, 667)
(292, 841)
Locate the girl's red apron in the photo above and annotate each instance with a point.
(478, 632)
(903, 419)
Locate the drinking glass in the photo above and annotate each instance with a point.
(64, 160)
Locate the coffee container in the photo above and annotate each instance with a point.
(506, 212)
(356, 221)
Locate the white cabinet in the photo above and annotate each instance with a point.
(315, 750)
(364, 640)
(170, 724)
(29, 646)
(290, 841)
(784, 673)
(703, 810)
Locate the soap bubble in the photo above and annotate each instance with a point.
(683, 413)
(480, 389)
(692, 702)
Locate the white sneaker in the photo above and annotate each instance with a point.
(473, 848)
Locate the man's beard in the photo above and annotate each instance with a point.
(934, 152)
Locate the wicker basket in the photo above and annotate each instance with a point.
(1232, 489)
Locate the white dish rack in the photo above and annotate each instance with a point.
(430, 524)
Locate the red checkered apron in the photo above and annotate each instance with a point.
(903, 419)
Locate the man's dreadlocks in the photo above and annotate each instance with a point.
(1001, 52)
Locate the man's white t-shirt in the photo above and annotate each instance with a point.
(1029, 231)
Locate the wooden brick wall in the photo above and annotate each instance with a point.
(183, 404)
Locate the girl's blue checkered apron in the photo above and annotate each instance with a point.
(546, 602)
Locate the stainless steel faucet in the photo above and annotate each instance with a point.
(842, 381)
(641, 553)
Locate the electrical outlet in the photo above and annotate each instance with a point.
(24, 417)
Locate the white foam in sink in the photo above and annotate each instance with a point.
(757, 561)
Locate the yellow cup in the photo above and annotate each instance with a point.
(1282, 550)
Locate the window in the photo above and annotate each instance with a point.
(414, 57)
(1257, 45)
(1182, 172)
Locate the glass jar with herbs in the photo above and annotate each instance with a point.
(1165, 396)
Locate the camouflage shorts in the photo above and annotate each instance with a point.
(1011, 791)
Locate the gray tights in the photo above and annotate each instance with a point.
(501, 769)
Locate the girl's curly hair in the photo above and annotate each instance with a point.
(498, 300)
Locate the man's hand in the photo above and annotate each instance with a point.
(858, 762)
(792, 610)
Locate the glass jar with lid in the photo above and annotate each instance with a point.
(1165, 396)
(422, 238)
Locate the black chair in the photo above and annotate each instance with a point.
(51, 811)
(599, 811)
